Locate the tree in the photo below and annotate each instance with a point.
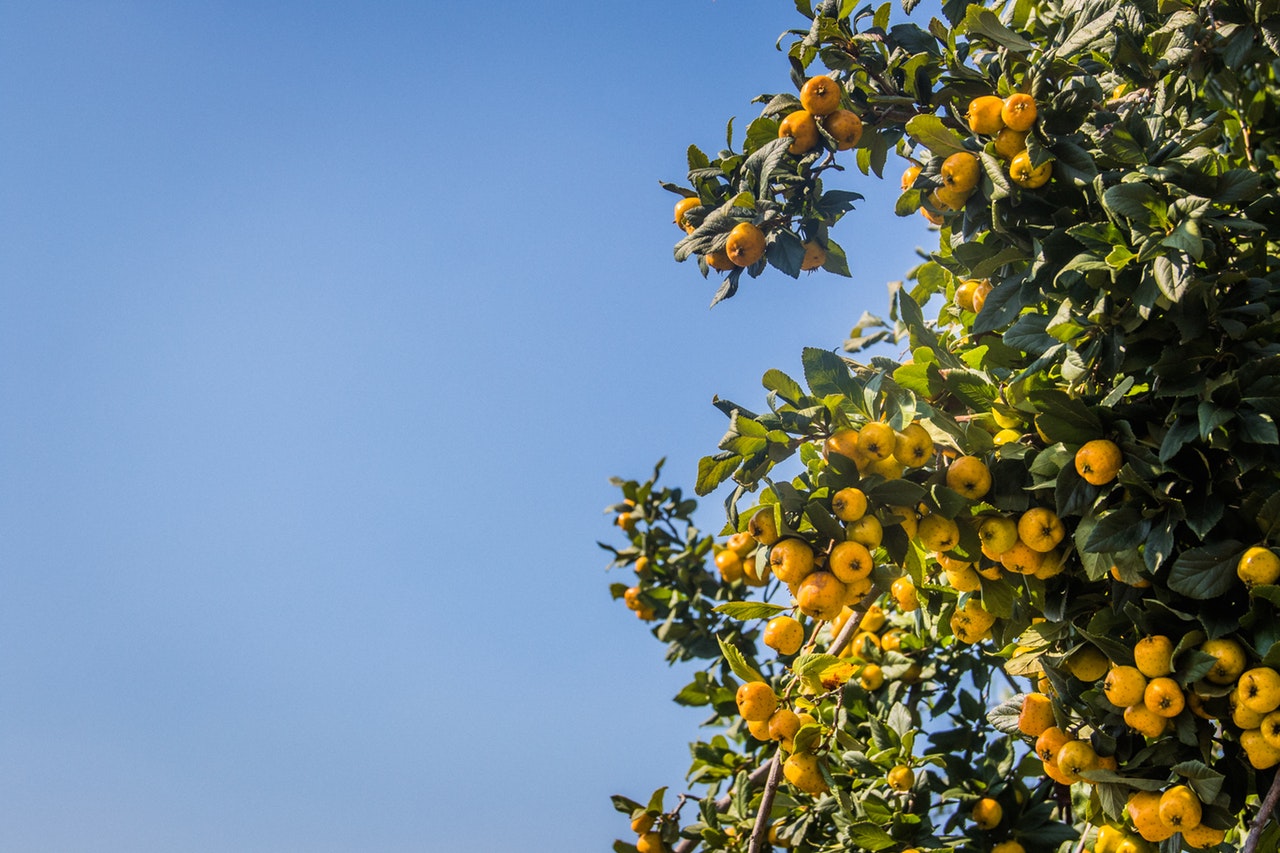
(1032, 562)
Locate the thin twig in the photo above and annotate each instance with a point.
(1264, 815)
(759, 834)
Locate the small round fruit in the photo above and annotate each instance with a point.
(1041, 529)
(821, 595)
(1036, 715)
(784, 635)
(965, 291)
(756, 701)
(1098, 461)
(1203, 837)
(820, 95)
(783, 725)
(1124, 686)
(866, 531)
(1258, 750)
(1075, 757)
(901, 778)
(1260, 689)
(980, 295)
(1180, 808)
(1230, 656)
(909, 177)
(849, 504)
(1163, 696)
(791, 560)
(803, 130)
(984, 115)
(1027, 176)
(1049, 742)
(987, 813)
(969, 476)
(1144, 721)
(1258, 565)
(642, 823)
(730, 565)
(683, 206)
(1144, 811)
(804, 770)
(1018, 112)
(1088, 663)
(938, 533)
(814, 256)
(842, 442)
(850, 561)
(1009, 142)
(961, 171)
(913, 446)
(904, 593)
(876, 440)
(845, 128)
(718, 259)
(650, 842)
(745, 245)
(1010, 846)
(1153, 656)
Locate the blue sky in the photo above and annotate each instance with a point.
(322, 327)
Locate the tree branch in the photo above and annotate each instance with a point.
(760, 833)
(1264, 816)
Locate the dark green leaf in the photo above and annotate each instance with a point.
(749, 609)
(1206, 572)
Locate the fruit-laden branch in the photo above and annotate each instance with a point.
(760, 831)
(1264, 815)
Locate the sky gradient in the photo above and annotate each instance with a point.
(322, 328)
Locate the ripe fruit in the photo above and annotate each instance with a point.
(1088, 663)
(984, 115)
(1230, 656)
(1258, 565)
(849, 504)
(650, 842)
(756, 701)
(980, 295)
(1258, 750)
(960, 172)
(1075, 757)
(1153, 656)
(814, 256)
(1202, 836)
(845, 128)
(642, 824)
(791, 560)
(969, 476)
(1018, 112)
(804, 770)
(1260, 689)
(1021, 559)
(909, 177)
(820, 95)
(783, 725)
(965, 291)
(1144, 811)
(938, 533)
(718, 259)
(1026, 175)
(730, 565)
(901, 778)
(1180, 808)
(1041, 529)
(745, 245)
(876, 440)
(784, 635)
(1124, 686)
(1009, 142)
(850, 561)
(997, 535)
(803, 130)
(987, 813)
(1098, 461)
(1036, 715)
(913, 446)
(1009, 846)
(1163, 696)
(820, 595)
(866, 531)
(904, 594)
(683, 206)
(871, 678)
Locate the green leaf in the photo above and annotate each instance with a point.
(1004, 717)
(828, 373)
(655, 801)
(1118, 530)
(738, 663)
(714, 470)
(980, 21)
(1206, 572)
(870, 837)
(743, 610)
(1206, 782)
(786, 387)
(932, 133)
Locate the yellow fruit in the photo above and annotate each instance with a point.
(650, 842)
(963, 578)
(1036, 715)
(1258, 750)
(1005, 421)
(820, 95)
(783, 725)
(984, 115)
(890, 468)
(866, 531)
(803, 130)
(1180, 808)
(1163, 696)
(745, 245)
(875, 441)
(1258, 565)
(934, 218)
(1144, 811)
(938, 533)
(913, 446)
(683, 206)
(904, 593)
(1009, 142)
(1230, 657)
(1202, 837)
(756, 701)
(730, 565)
(784, 635)
(987, 813)
(1260, 689)
(1270, 728)
(1153, 656)
(849, 504)
(1242, 715)
(949, 197)
(717, 259)
(804, 770)
(960, 172)
(1124, 686)
(1049, 742)
(1026, 175)
(1099, 461)
(873, 619)
(1041, 529)
(1018, 112)
(909, 177)
(814, 256)
(901, 778)
(1009, 846)
(642, 824)
(791, 560)
(1075, 757)
(820, 595)
(997, 535)
(892, 639)
(871, 678)
(964, 293)
(843, 442)
(631, 598)
(1020, 559)
(850, 561)
(1007, 436)
(845, 128)
(1109, 839)
(1051, 566)
(1088, 663)
(969, 476)
(980, 295)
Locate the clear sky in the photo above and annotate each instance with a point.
(322, 327)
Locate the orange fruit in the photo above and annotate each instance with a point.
(961, 171)
(845, 128)
(717, 259)
(803, 130)
(683, 206)
(1009, 142)
(1099, 461)
(745, 245)
(1018, 112)
(1027, 176)
(909, 177)
(985, 115)
(820, 95)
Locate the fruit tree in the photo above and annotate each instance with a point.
(1013, 589)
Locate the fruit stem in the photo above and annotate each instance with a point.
(760, 831)
(1264, 815)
